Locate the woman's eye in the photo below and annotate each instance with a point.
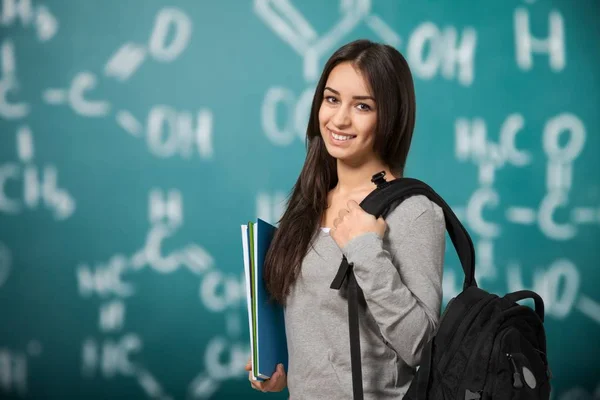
(330, 99)
(364, 107)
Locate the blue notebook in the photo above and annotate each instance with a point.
(266, 323)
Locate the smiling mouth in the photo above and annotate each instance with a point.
(340, 137)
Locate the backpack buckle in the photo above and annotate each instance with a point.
(379, 179)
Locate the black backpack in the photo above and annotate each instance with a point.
(485, 346)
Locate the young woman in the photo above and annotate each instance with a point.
(361, 123)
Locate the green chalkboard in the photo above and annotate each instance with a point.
(127, 129)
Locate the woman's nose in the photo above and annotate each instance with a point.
(341, 117)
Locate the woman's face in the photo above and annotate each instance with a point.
(348, 117)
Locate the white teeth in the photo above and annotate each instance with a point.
(341, 137)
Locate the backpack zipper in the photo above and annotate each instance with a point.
(517, 380)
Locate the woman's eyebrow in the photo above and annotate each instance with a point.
(354, 97)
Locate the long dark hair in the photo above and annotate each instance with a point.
(391, 82)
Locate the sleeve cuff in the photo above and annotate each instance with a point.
(363, 248)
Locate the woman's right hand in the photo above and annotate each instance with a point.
(276, 383)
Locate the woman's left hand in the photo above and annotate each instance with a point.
(355, 221)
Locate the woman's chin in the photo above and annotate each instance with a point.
(337, 154)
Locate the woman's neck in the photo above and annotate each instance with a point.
(356, 179)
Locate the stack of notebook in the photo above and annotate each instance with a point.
(265, 317)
